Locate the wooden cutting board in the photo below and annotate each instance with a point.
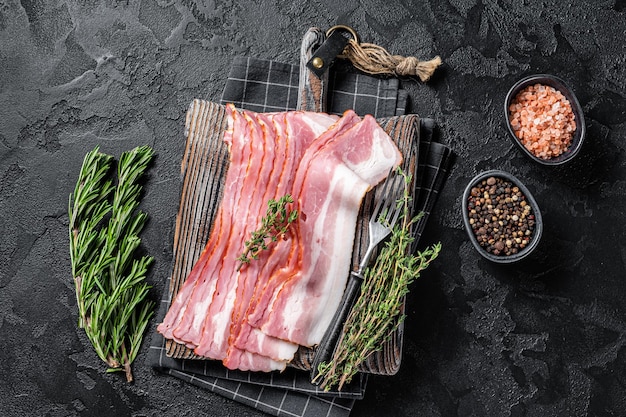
(203, 169)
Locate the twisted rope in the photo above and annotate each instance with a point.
(373, 59)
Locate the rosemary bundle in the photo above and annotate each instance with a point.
(274, 225)
(111, 292)
(377, 313)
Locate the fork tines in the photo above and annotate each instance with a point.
(388, 201)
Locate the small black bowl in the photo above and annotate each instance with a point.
(538, 227)
(558, 84)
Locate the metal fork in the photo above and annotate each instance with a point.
(383, 219)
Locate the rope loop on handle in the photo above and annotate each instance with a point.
(374, 59)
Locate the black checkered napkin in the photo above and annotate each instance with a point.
(270, 86)
(435, 161)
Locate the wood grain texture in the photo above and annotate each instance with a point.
(312, 90)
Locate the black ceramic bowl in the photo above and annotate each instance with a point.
(558, 84)
(535, 237)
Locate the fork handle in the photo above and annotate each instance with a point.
(326, 348)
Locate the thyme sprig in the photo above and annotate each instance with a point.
(104, 227)
(274, 225)
(377, 313)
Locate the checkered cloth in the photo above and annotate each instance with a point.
(269, 86)
(435, 160)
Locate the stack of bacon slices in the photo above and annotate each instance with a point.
(254, 317)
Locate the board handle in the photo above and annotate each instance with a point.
(312, 90)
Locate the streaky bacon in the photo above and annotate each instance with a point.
(256, 316)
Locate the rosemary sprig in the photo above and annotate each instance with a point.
(104, 227)
(274, 225)
(377, 313)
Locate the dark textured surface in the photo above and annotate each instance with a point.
(542, 338)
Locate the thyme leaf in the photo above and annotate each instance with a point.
(104, 227)
(274, 225)
(377, 313)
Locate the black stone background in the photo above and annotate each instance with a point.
(542, 338)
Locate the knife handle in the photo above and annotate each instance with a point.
(326, 348)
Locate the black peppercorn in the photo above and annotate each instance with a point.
(501, 219)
